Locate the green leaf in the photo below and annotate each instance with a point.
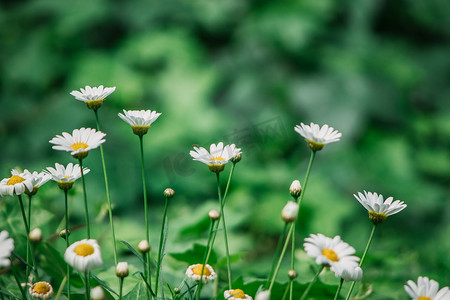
(195, 255)
(138, 292)
(233, 258)
(133, 251)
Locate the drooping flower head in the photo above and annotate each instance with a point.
(93, 97)
(348, 270)
(236, 294)
(235, 154)
(17, 184)
(41, 290)
(316, 136)
(65, 177)
(37, 179)
(6, 247)
(80, 142)
(84, 255)
(140, 120)
(195, 272)
(378, 209)
(217, 156)
(426, 289)
(263, 295)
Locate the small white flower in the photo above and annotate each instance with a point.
(35, 235)
(93, 97)
(216, 158)
(378, 209)
(80, 142)
(295, 189)
(144, 246)
(316, 136)
(84, 255)
(195, 272)
(263, 295)
(65, 177)
(17, 184)
(122, 269)
(328, 251)
(41, 290)
(6, 247)
(140, 120)
(426, 289)
(236, 294)
(348, 270)
(97, 293)
(290, 212)
(38, 180)
(234, 153)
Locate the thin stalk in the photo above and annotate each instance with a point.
(66, 203)
(13, 269)
(145, 257)
(286, 290)
(27, 230)
(277, 251)
(121, 288)
(111, 221)
(86, 211)
(305, 293)
(205, 259)
(228, 184)
(161, 238)
(224, 227)
(338, 289)
(87, 284)
(291, 286)
(281, 256)
(305, 182)
(33, 259)
(362, 260)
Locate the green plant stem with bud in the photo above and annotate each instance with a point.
(111, 221)
(209, 244)
(277, 252)
(308, 288)
(305, 182)
(27, 231)
(336, 296)
(288, 237)
(291, 285)
(362, 260)
(121, 288)
(161, 240)
(86, 210)
(66, 204)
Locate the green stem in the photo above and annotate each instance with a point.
(224, 227)
(205, 259)
(13, 269)
(305, 183)
(286, 290)
(33, 259)
(338, 289)
(305, 293)
(224, 199)
(111, 221)
(292, 260)
(277, 251)
(362, 260)
(121, 288)
(161, 239)
(66, 203)
(86, 211)
(27, 230)
(281, 256)
(87, 284)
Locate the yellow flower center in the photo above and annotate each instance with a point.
(424, 298)
(198, 270)
(330, 254)
(41, 288)
(217, 159)
(79, 145)
(15, 179)
(84, 250)
(237, 293)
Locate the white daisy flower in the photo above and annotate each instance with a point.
(80, 142)
(17, 184)
(216, 158)
(235, 153)
(84, 255)
(41, 290)
(140, 120)
(329, 251)
(378, 209)
(316, 136)
(195, 272)
(38, 180)
(93, 97)
(65, 177)
(6, 247)
(426, 289)
(348, 270)
(236, 294)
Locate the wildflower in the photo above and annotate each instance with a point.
(379, 210)
(292, 274)
(84, 255)
(6, 247)
(79, 143)
(235, 154)
(41, 290)
(38, 180)
(195, 271)
(290, 212)
(263, 295)
(349, 271)
(295, 189)
(214, 215)
(236, 294)
(65, 177)
(93, 97)
(426, 289)
(35, 235)
(316, 136)
(17, 184)
(144, 246)
(122, 269)
(63, 235)
(140, 120)
(216, 158)
(97, 293)
(329, 251)
(169, 193)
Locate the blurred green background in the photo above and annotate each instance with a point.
(243, 72)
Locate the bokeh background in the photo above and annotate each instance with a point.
(243, 72)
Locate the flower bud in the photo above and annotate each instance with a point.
(169, 193)
(35, 236)
(263, 295)
(122, 269)
(63, 234)
(237, 158)
(144, 246)
(176, 291)
(292, 274)
(97, 293)
(295, 189)
(214, 215)
(290, 212)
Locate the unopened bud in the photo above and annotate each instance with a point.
(35, 236)
(169, 193)
(295, 189)
(63, 234)
(97, 293)
(144, 246)
(122, 269)
(290, 212)
(292, 274)
(263, 295)
(176, 291)
(214, 215)
(237, 158)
